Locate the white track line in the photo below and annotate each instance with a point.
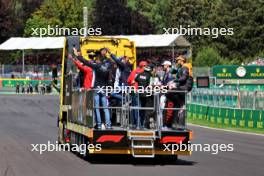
(220, 129)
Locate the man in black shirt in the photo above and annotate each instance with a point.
(143, 80)
(101, 68)
(124, 67)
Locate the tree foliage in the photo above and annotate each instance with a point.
(13, 14)
(7, 20)
(244, 16)
(17, 17)
(60, 13)
(115, 18)
(157, 11)
(208, 56)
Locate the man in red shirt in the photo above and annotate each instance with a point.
(88, 73)
(132, 76)
(135, 99)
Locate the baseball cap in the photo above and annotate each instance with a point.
(167, 63)
(181, 58)
(143, 63)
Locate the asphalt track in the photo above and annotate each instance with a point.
(26, 120)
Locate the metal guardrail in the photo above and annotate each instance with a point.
(83, 110)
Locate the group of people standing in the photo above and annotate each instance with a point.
(105, 69)
(36, 88)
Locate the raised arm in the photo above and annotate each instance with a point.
(81, 59)
(87, 63)
(117, 61)
(79, 65)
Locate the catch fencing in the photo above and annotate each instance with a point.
(30, 71)
(227, 107)
(228, 98)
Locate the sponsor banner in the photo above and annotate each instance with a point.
(231, 117)
(5, 83)
(238, 72)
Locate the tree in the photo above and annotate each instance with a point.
(60, 13)
(157, 11)
(23, 10)
(247, 20)
(189, 14)
(115, 18)
(13, 14)
(7, 20)
(208, 56)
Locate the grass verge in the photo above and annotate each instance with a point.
(209, 124)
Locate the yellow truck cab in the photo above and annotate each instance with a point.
(77, 117)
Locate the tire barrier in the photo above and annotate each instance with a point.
(231, 117)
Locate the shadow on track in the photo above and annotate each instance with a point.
(129, 160)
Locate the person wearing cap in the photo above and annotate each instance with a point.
(167, 77)
(167, 73)
(184, 76)
(134, 97)
(183, 82)
(143, 80)
(140, 69)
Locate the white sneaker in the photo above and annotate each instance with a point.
(165, 128)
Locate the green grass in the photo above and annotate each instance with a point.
(209, 124)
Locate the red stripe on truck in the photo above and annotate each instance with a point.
(172, 139)
(110, 138)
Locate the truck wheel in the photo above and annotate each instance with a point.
(73, 142)
(64, 132)
(61, 132)
(85, 150)
(173, 158)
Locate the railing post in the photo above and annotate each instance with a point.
(254, 100)
(43, 68)
(23, 63)
(3, 70)
(238, 99)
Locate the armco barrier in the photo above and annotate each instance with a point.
(231, 117)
